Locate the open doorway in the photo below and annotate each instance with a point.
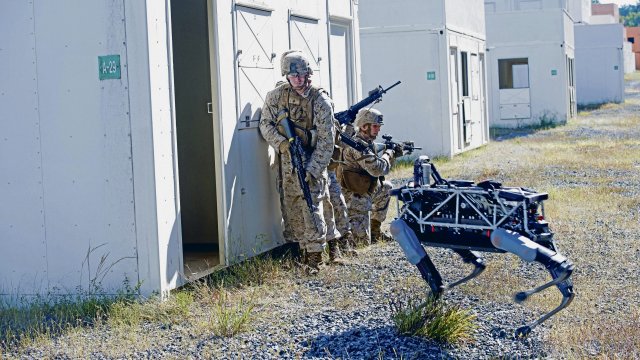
(195, 137)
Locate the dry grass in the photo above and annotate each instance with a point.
(224, 304)
(634, 76)
(594, 209)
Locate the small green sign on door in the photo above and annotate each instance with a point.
(109, 67)
(431, 75)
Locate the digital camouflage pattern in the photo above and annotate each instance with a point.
(295, 211)
(340, 212)
(368, 116)
(380, 201)
(295, 62)
(360, 205)
(365, 208)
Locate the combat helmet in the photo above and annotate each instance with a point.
(368, 116)
(295, 62)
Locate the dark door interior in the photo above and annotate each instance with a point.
(195, 140)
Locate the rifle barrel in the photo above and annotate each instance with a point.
(391, 87)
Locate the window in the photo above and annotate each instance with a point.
(465, 73)
(631, 40)
(513, 73)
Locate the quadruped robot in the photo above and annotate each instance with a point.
(466, 218)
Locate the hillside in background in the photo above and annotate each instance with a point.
(630, 14)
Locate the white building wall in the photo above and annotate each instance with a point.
(374, 13)
(545, 37)
(150, 128)
(464, 16)
(579, 11)
(599, 63)
(602, 19)
(22, 219)
(70, 225)
(629, 57)
(410, 114)
(164, 153)
(528, 5)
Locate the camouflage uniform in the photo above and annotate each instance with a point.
(360, 202)
(339, 204)
(380, 202)
(315, 106)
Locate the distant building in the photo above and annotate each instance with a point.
(604, 14)
(628, 54)
(600, 56)
(633, 36)
(437, 49)
(599, 63)
(530, 51)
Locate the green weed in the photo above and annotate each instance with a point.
(435, 320)
(229, 317)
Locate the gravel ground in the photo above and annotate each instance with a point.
(346, 313)
(362, 330)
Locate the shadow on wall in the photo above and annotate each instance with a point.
(254, 219)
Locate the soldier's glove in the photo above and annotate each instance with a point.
(398, 150)
(284, 146)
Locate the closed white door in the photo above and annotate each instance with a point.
(255, 62)
(304, 35)
(254, 197)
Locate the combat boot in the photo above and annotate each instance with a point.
(313, 261)
(334, 250)
(377, 235)
(348, 245)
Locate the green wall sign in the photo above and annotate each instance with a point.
(431, 75)
(109, 67)
(554, 72)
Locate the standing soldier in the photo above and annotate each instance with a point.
(362, 180)
(310, 110)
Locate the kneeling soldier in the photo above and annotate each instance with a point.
(362, 180)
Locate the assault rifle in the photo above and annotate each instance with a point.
(348, 116)
(364, 148)
(407, 146)
(375, 95)
(297, 156)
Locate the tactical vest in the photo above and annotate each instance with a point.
(300, 113)
(356, 180)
